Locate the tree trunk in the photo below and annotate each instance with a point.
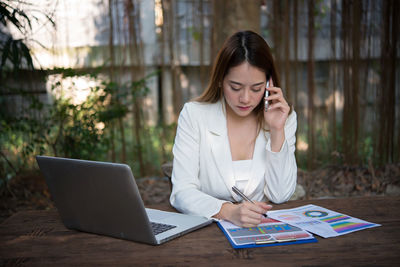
(277, 34)
(161, 98)
(161, 120)
(366, 42)
(169, 22)
(296, 63)
(287, 53)
(346, 142)
(388, 80)
(112, 64)
(232, 16)
(136, 58)
(355, 66)
(203, 71)
(333, 72)
(311, 86)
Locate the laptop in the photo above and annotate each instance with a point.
(103, 198)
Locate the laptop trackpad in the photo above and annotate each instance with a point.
(157, 215)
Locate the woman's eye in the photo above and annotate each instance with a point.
(235, 89)
(256, 90)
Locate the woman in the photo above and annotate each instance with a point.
(227, 137)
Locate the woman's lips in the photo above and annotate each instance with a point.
(244, 108)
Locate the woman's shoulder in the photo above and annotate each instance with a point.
(200, 113)
(201, 105)
(195, 107)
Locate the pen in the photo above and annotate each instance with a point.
(240, 194)
(243, 196)
(260, 242)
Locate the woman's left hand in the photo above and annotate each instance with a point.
(278, 109)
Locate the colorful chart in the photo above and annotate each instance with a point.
(289, 217)
(309, 223)
(269, 229)
(292, 236)
(339, 217)
(315, 213)
(343, 227)
(321, 221)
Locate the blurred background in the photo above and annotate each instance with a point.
(106, 80)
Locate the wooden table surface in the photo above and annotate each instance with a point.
(39, 238)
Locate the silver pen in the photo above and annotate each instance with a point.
(243, 196)
(240, 194)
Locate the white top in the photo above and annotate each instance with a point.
(202, 174)
(242, 173)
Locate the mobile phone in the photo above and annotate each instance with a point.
(266, 95)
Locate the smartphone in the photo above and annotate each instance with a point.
(266, 95)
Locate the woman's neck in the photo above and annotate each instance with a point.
(234, 118)
(242, 134)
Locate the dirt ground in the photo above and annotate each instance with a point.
(29, 191)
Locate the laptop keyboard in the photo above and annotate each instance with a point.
(159, 228)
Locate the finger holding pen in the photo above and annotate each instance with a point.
(245, 214)
(249, 210)
(244, 197)
(265, 207)
(249, 214)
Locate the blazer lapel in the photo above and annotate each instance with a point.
(220, 147)
(258, 165)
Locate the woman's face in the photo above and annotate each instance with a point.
(243, 88)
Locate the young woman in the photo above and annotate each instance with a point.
(227, 137)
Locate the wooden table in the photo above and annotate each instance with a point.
(39, 238)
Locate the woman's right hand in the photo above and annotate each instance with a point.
(245, 214)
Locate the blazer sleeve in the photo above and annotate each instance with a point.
(281, 169)
(186, 195)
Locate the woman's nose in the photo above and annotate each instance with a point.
(244, 96)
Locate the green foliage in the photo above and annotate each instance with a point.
(15, 54)
(60, 128)
(321, 9)
(152, 149)
(367, 149)
(74, 127)
(196, 33)
(15, 16)
(84, 130)
(327, 155)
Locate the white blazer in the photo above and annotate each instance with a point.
(202, 175)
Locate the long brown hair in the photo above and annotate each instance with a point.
(240, 47)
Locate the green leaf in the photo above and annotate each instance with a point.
(6, 51)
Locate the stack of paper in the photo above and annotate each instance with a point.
(293, 226)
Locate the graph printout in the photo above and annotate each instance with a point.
(271, 231)
(320, 221)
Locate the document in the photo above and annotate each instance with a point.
(271, 232)
(320, 221)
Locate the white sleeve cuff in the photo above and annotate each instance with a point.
(284, 147)
(217, 209)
